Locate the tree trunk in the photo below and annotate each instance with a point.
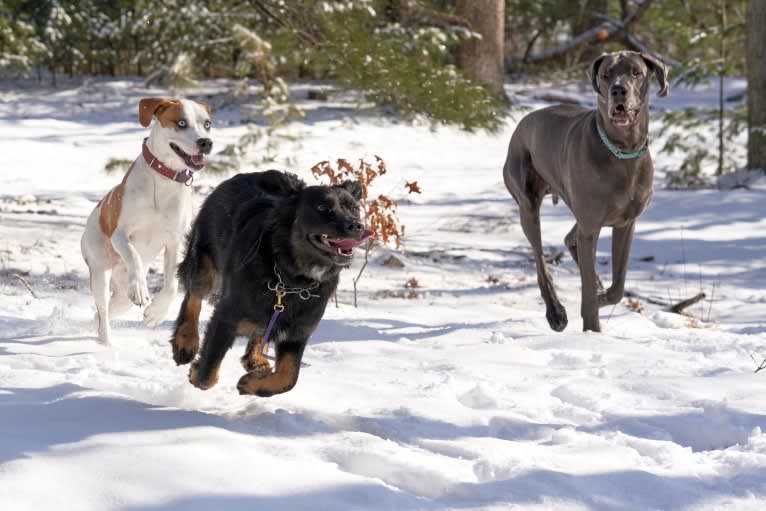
(756, 84)
(482, 59)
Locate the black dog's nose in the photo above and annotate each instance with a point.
(353, 225)
(205, 145)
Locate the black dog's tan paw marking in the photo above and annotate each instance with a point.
(186, 343)
(284, 379)
(197, 381)
(255, 362)
(263, 385)
(257, 366)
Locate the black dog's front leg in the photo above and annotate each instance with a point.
(285, 376)
(219, 337)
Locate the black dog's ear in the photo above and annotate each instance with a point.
(352, 187)
(594, 72)
(660, 71)
(280, 184)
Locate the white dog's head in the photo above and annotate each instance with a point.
(181, 136)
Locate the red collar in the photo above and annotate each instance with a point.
(184, 176)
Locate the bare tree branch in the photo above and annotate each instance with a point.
(613, 30)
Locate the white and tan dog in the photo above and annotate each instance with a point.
(150, 210)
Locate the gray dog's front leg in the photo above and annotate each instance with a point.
(622, 237)
(586, 257)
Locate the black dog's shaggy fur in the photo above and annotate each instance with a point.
(253, 231)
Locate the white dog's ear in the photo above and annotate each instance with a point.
(148, 107)
(204, 106)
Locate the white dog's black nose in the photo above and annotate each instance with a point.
(205, 145)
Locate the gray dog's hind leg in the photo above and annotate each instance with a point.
(622, 237)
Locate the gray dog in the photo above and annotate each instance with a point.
(597, 161)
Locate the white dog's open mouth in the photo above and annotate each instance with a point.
(195, 161)
(622, 116)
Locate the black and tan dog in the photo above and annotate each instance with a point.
(265, 241)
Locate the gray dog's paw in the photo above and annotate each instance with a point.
(557, 318)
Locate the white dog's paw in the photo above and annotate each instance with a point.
(138, 292)
(156, 312)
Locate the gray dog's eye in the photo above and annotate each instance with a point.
(181, 123)
(322, 208)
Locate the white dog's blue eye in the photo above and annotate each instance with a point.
(181, 123)
(207, 125)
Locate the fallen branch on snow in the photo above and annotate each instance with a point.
(680, 306)
(26, 284)
(677, 308)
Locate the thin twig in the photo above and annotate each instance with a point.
(761, 366)
(367, 251)
(648, 299)
(26, 284)
(710, 308)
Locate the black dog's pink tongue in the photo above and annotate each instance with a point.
(348, 243)
(198, 159)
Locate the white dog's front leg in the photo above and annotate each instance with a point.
(138, 292)
(158, 309)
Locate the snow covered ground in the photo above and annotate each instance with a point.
(458, 397)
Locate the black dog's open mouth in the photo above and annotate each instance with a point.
(195, 161)
(340, 249)
(622, 116)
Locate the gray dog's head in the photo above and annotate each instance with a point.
(621, 80)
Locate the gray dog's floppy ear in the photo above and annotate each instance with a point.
(594, 72)
(660, 71)
(352, 187)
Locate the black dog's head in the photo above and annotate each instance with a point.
(328, 225)
(621, 80)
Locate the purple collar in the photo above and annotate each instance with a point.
(184, 176)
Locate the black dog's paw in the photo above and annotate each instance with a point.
(198, 381)
(258, 383)
(183, 356)
(185, 344)
(557, 318)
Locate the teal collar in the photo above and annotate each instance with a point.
(620, 154)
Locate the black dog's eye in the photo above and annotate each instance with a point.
(207, 125)
(636, 72)
(181, 123)
(322, 208)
